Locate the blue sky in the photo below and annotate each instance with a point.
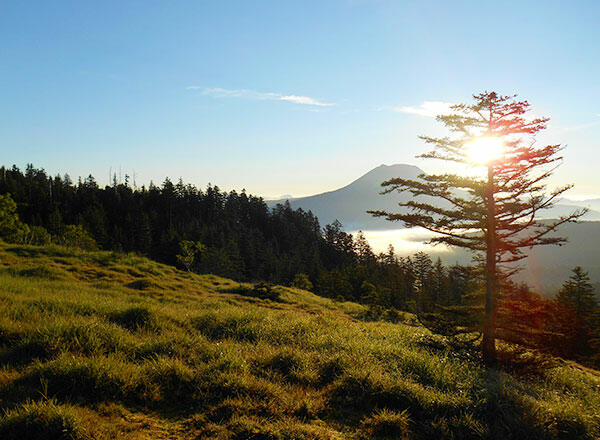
(282, 97)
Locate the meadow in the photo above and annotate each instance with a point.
(102, 345)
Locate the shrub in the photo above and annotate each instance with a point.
(301, 281)
(373, 313)
(259, 290)
(189, 252)
(11, 228)
(77, 236)
(38, 235)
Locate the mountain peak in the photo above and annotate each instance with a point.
(385, 172)
(350, 203)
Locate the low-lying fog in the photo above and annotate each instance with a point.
(409, 241)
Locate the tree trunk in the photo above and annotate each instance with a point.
(488, 344)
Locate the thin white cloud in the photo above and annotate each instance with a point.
(304, 100)
(218, 92)
(427, 108)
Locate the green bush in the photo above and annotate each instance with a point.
(76, 236)
(301, 281)
(11, 228)
(38, 235)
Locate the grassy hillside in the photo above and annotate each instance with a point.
(103, 346)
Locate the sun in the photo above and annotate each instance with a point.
(484, 150)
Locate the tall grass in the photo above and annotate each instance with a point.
(106, 345)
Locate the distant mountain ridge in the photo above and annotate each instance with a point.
(546, 268)
(350, 203)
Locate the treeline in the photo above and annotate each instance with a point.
(240, 237)
(236, 235)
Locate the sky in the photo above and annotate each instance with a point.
(283, 97)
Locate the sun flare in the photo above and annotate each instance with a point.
(483, 150)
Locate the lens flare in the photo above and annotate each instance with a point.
(484, 150)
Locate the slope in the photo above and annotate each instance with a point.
(104, 345)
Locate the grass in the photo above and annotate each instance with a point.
(99, 345)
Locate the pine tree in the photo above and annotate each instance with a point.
(143, 233)
(577, 293)
(577, 296)
(422, 266)
(494, 215)
(439, 283)
(363, 249)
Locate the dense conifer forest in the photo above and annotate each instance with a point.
(241, 237)
(236, 235)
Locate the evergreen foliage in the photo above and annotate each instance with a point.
(577, 293)
(209, 231)
(496, 215)
(578, 297)
(236, 235)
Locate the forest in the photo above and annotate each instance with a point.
(235, 235)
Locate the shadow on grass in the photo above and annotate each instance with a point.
(23, 353)
(135, 318)
(259, 290)
(165, 386)
(142, 284)
(38, 251)
(496, 408)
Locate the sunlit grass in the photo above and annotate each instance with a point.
(88, 349)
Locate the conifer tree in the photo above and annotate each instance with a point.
(577, 293)
(497, 214)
